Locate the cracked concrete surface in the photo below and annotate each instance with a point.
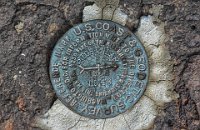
(108, 10)
(142, 115)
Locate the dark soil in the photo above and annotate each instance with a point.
(29, 30)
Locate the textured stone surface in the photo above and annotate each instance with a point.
(182, 27)
(92, 12)
(149, 33)
(19, 27)
(9, 9)
(58, 118)
(118, 123)
(161, 92)
(104, 3)
(193, 84)
(54, 3)
(89, 124)
(142, 115)
(107, 10)
(28, 32)
(119, 17)
(134, 10)
(160, 87)
(24, 56)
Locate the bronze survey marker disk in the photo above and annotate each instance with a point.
(99, 69)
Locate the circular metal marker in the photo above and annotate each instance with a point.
(99, 69)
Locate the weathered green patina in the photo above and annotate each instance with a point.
(99, 69)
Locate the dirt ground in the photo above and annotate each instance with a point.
(29, 30)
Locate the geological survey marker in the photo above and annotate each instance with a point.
(99, 69)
